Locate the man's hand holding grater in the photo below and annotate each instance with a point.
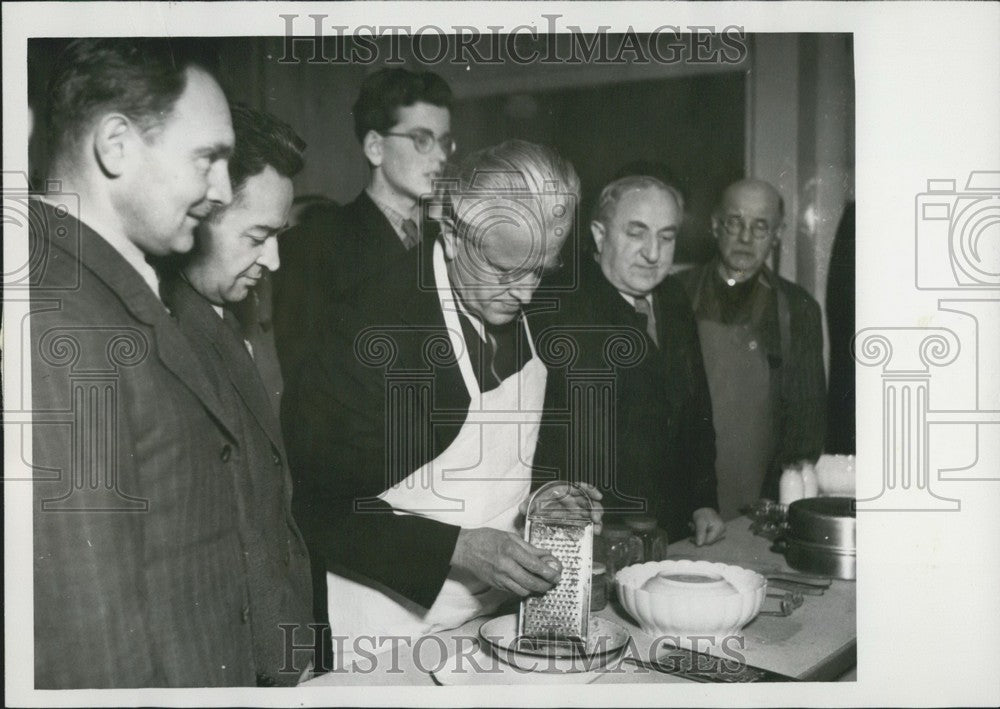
(505, 561)
(569, 500)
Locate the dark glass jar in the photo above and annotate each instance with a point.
(652, 538)
(616, 548)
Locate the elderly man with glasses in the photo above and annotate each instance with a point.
(762, 340)
(402, 120)
(412, 427)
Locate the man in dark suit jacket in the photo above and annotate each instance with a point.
(138, 572)
(392, 394)
(637, 415)
(235, 247)
(403, 121)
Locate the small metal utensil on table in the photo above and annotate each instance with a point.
(793, 586)
(788, 602)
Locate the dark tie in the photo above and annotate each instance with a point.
(502, 360)
(644, 309)
(233, 322)
(412, 234)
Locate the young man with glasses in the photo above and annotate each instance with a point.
(412, 429)
(403, 121)
(762, 340)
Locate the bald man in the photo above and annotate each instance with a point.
(762, 340)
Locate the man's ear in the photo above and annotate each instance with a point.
(113, 139)
(372, 146)
(598, 231)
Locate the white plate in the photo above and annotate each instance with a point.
(606, 640)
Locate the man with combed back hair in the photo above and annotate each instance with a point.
(648, 444)
(236, 247)
(139, 573)
(408, 483)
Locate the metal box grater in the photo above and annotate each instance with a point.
(558, 620)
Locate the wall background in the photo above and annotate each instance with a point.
(785, 113)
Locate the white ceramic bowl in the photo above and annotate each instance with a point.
(724, 600)
(835, 475)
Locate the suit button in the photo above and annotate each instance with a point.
(245, 614)
(275, 457)
(226, 454)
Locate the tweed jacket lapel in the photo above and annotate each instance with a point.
(98, 256)
(196, 313)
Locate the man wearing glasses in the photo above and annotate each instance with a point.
(403, 121)
(762, 340)
(412, 430)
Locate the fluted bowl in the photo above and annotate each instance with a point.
(682, 599)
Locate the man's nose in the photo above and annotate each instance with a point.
(745, 236)
(651, 248)
(440, 153)
(220, 191)
(523, 291)
(269, 258)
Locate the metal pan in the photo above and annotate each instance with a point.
(821, 536)
(838, 562)
(828, 521)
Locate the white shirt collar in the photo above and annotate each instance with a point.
(221, 313)
(631, 298)
(477, 324)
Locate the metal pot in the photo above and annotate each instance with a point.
(821, 536)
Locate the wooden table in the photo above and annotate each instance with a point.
(817, 642)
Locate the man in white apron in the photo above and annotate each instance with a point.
(412, 428)
(762, 340)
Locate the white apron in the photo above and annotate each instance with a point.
(487, 466)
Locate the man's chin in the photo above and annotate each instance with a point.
(183, 242)
(236, 295)
(498, 316)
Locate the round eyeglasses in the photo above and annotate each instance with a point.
(424, 140)
(759, 228)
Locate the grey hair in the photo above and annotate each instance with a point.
(518, 166)
(494, 176)
(607, 202)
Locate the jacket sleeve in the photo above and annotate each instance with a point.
(334, 421)
(92, 626)
(696, 427)
(803, 384)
